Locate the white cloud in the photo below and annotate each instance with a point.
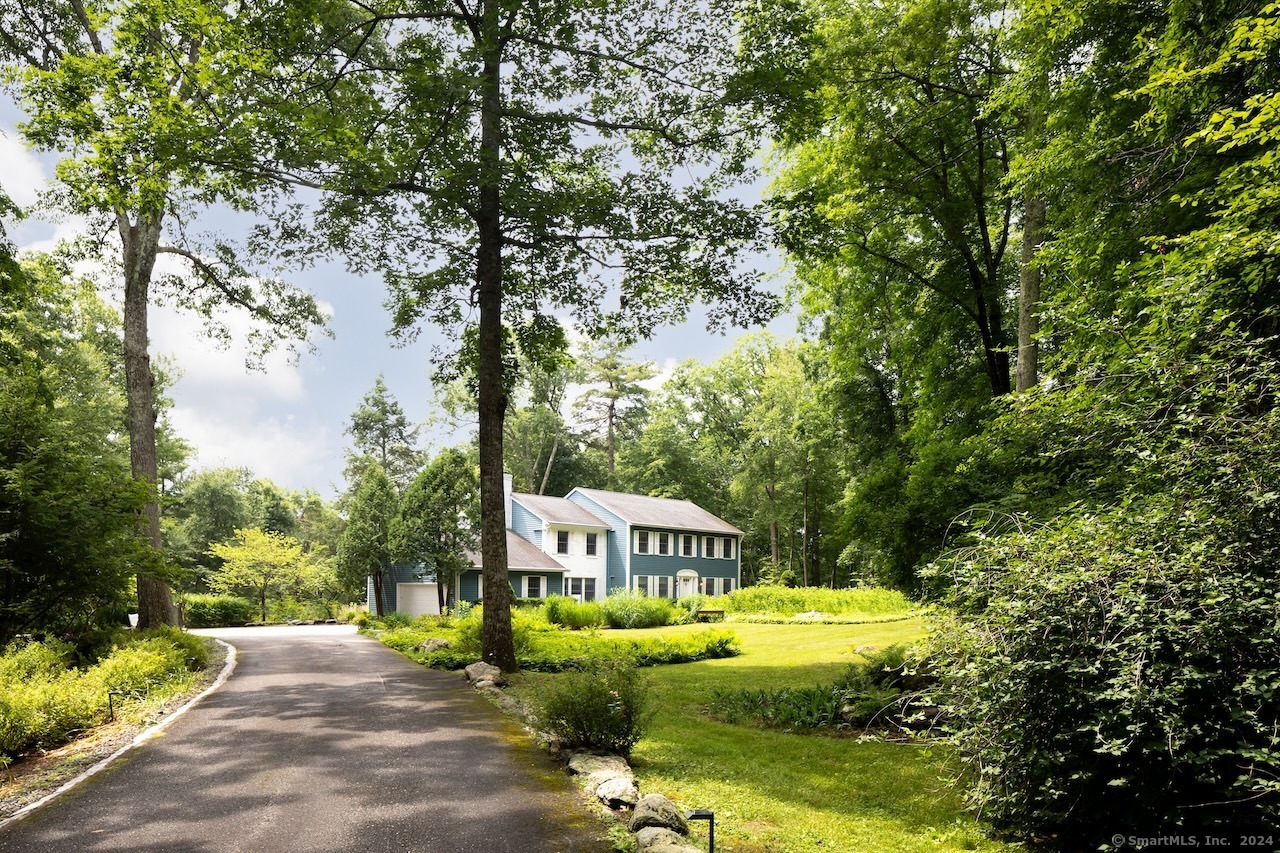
(23, 176)
(285, 451)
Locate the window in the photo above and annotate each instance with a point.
(642, 583)
(664, 586)
(642, 542)
(664, 543)
(591, 544)
(708, 586)
(533, 586)
(727, 550)
(727, 585)
(709, 546)
(562, 542)
(687, 543)
(583, 589)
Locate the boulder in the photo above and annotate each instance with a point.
(618, 792)
(481, 671)
(433, 644)
(655, 839)
(599, 768)
(657, 810)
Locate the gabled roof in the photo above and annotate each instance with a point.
(521, 554)
(558, 510)
(658, 512)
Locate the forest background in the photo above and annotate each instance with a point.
(1034, 249)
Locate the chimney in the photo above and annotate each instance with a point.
(506, 495)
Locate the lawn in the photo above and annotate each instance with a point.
(772, 791)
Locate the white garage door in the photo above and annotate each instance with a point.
(417, 599)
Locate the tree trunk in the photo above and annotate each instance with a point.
(497, 647)
(377, 593)
(610, 438)
(1029, 277)
(775, 547)
(546, 475)
(140, 242)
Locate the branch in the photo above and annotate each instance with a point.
(212, 277)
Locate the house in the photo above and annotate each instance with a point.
(588, 544)
(591, 542)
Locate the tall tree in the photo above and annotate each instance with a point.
(124, 86)
(916, 201)
(491, 136)
(614, 397)
(364, 549)
(68, 506)
(382, 432)
(438, 519)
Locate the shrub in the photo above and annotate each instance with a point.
(634, 609)
(604, 707)
(33, 661)
(1118, 669)
(469, 631)
(216, 611)
(542, 648)
(43, 700)
(157, 656)
(566, 611)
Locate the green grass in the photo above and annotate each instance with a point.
(773, 791)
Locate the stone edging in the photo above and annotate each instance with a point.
(658, 826)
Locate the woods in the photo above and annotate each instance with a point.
(1032, 251)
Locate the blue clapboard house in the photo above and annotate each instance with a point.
(591, 542)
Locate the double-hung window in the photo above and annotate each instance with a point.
(562, 542)
(533, 586)
(687, 544)
(583, 589)
(642, 542)
(726, 550)
(591, 544)
(709, 547)
(664, 543)
(664, 586)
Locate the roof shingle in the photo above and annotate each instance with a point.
(658, 512)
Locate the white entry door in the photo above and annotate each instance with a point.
(686, 585)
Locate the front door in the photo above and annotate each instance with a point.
(686, 586)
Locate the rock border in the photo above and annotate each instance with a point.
(656, 823)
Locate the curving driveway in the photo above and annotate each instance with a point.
(324, 740)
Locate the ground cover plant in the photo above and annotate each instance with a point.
(771, 790)
(49, 691)
(544, 647)
(885, 692)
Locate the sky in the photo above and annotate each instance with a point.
(287, 421)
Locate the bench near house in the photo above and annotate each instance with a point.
(589, 543)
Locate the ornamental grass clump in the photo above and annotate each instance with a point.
(570, 613)
(634, 609)
(604, 707)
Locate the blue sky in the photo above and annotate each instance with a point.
(286, 421)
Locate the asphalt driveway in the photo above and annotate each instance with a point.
(324, 740)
